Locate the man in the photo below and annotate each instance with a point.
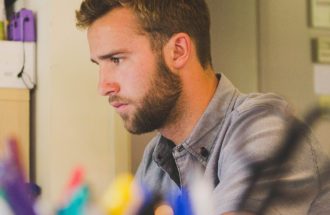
(155, 68)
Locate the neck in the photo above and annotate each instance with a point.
(198, 89)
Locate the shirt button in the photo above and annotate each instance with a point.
(204, 152)
(180, 148)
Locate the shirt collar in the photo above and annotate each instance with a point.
(202, 138)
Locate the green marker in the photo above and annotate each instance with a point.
(77, 204)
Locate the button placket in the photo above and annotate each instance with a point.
(178, 155)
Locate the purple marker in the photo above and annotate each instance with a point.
(24, 26)
(13, 184)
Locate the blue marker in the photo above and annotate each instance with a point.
(181, 204)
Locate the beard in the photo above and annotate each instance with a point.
(159, 105)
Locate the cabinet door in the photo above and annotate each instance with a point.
(14, 120)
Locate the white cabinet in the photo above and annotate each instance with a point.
(17, 77)
(17, 64)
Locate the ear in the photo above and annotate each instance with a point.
(178, 50)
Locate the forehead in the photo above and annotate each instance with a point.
(118, 20)
(115, 31)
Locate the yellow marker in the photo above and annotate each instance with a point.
(2, 30)
(119, 195)
(2, 20)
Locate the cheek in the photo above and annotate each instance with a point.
(137, 88)
(137, 80)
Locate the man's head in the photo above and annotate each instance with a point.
(128, 40)
(159, 19)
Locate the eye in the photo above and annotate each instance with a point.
(115, 60)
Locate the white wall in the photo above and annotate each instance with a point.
(72, 124)
(286, 65)
(285, 51)
(234, 41)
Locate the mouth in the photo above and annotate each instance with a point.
(119, 106)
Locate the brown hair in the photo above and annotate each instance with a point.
(160, 19)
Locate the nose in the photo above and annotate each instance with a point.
(107, 85)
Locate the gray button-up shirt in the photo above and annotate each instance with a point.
(234, 131)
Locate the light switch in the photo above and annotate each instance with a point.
(322, 79)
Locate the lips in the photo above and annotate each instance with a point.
(118, 102)
(118, 105)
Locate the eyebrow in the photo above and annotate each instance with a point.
(108, 55)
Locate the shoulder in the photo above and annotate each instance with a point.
(246, 103)
(257, 125)
(259, 113)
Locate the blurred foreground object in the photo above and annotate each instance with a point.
(13, 182)
(274, 166)
(75, 196)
